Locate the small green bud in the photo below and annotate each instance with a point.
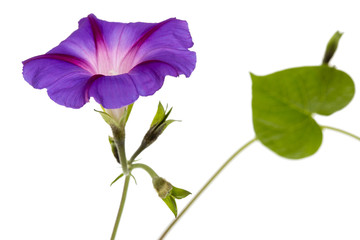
(158, 126)
(151, 135)
(168, 193)
(162, 187)
(331, 47)
(114, 149)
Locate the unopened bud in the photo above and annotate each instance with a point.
(331, 47)
(114, 149)
(152, 135)
(162, 186)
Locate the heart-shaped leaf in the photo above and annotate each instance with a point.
(283, 104)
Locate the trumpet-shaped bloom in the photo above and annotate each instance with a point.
(114, 63)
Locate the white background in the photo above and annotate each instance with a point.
(56, 164)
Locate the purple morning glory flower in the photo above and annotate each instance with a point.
(114, 63)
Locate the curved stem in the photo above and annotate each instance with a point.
(205, 186)
(341, 131)
(148, 169)
(121, 208)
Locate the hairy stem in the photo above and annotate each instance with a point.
(119, 140)
(205, 186)
(138, 151)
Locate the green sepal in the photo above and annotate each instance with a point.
(107, 118)
(117, 179)
(331, 47)
(133, 178)
(159, 116)
(125, 118)
(113, 122)
(170, 202)
(167, 114)
(158, 125)
(114, 149)
(167, 123)
(168, 193)
(179, 193)
(284, 102)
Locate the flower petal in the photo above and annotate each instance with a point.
(168, 36)
(133, 43)
(112, 62)
(182, 60)
(121, 90)
(148, 77)
(65, 81)
(114, 91)
(80, 44)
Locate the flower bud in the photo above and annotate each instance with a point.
(114, 149)
(331, 47)
(151, 135)
(157, 127)
(162, 187)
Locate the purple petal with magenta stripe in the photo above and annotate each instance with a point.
(114, 63)
(80, 44)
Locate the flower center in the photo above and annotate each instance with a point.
(112, 73)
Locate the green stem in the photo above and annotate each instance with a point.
(119, 140)
(148, 169)
(205, 186)
(121, 208)
(138, 151)
(122, 156)
(341, 131)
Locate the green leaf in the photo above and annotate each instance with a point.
(159, 116)
(116, 179)
(283, 104)
(179, 193)
(170, 202)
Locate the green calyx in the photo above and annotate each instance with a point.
(162, 187)
(158, 125)
(169, 193)
(116, 120)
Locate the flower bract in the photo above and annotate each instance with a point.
(114, 63)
